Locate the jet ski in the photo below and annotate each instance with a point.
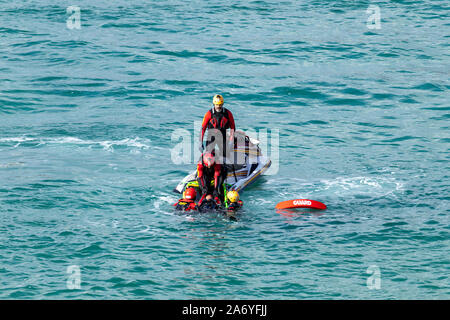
(245, 163)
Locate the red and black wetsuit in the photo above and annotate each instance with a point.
(204, 177)
(217, 122)
(235, 206)
(185, 205)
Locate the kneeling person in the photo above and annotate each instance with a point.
(208, 170)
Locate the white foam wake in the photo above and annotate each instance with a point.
(138, 143)
(345, 186)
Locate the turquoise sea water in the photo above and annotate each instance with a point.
(86, 123)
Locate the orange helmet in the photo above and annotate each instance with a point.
(190, 194)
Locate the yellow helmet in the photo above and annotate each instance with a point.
(233, 196)
(218, 99)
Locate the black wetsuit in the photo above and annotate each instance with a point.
(208, 205)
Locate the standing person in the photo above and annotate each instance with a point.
(217, 120)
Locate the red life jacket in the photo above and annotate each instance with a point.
(186, 205)
(207, 174)
(235, 206)
(222, 121)
(219, 120)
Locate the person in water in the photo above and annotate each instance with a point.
(234, 203)
(217, 121)
(208, 204)
(207, 171)
(187, 203)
